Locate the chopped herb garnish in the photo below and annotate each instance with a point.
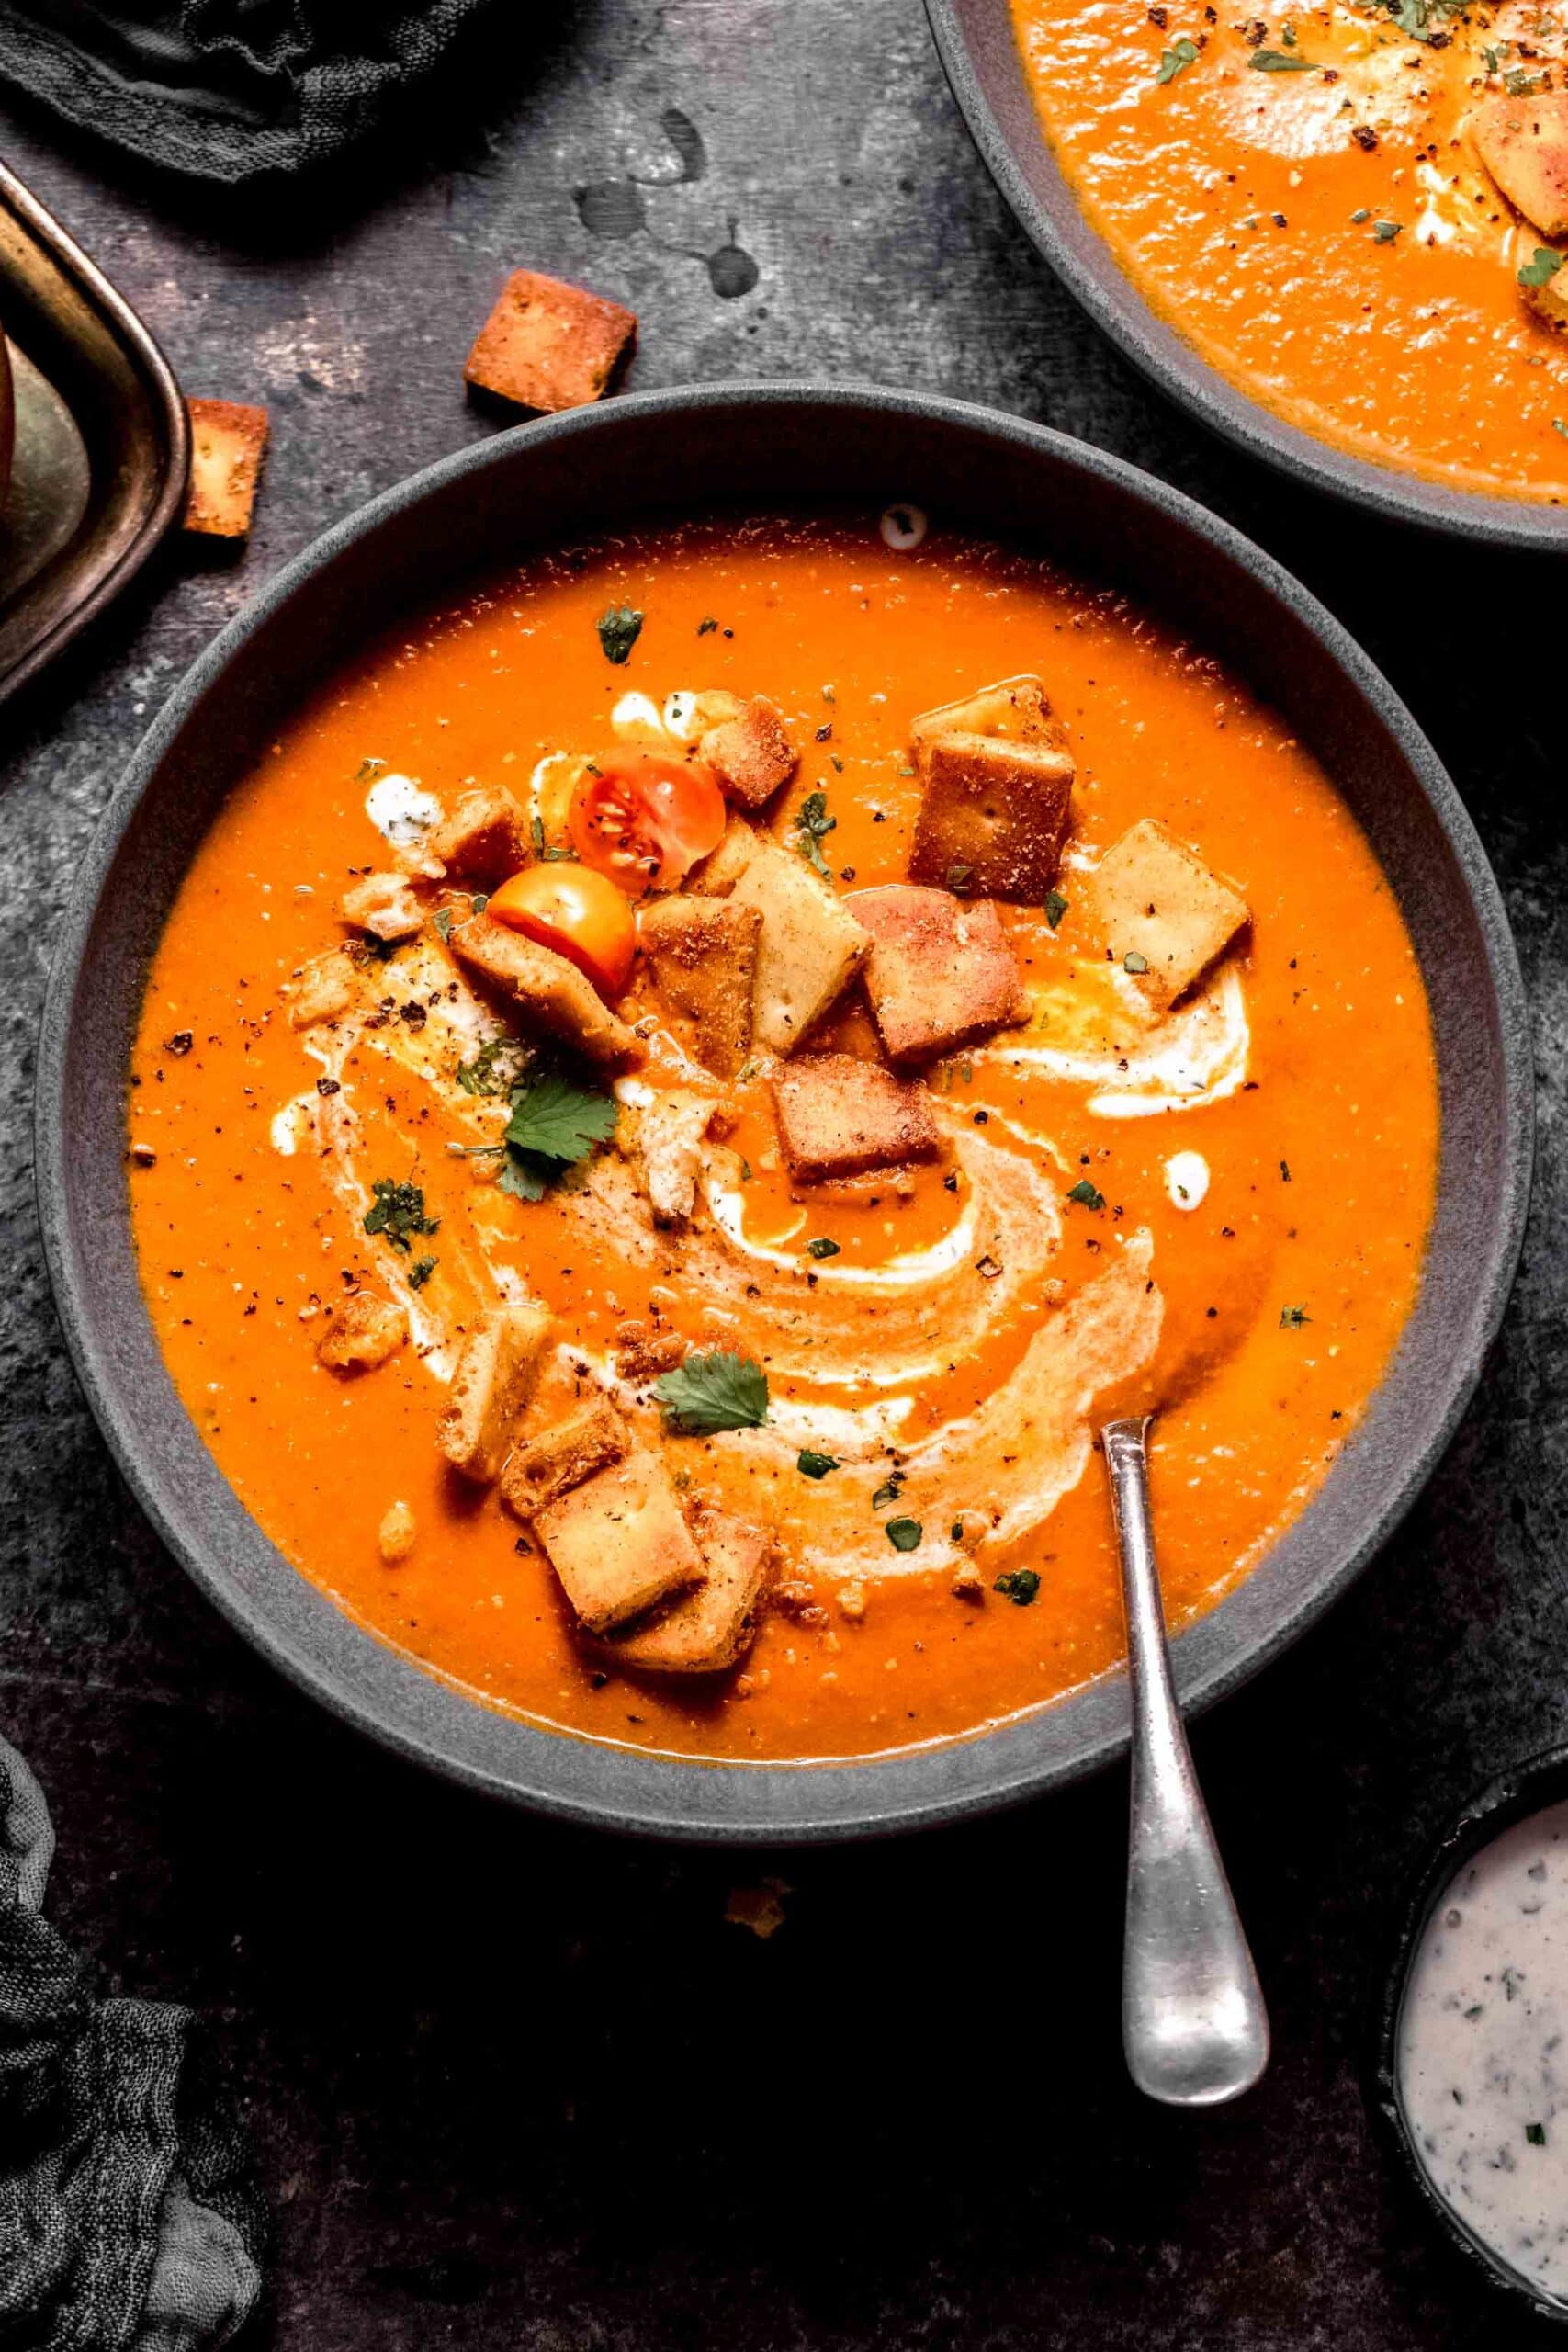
(398, 1211)
(1179, 54)
(904, 1534)
(481, 901)
(815, 1465)
(1055, 908)
(889, 1493)
(554, 1124)
(543, 850)
(822, 1247)
(1275, 60)
(1133, 962)
(1087, 1194)
(1541, 268)
(1559, 424)
(1519, 82)
(619, 627)
(717, 1391)
(495, 1069)
(421, 1271)
(1293, 1318)
(1536, 2135)
(1362, 214)
(959, 878)
(1385, 232)
(1284, 1172)
(368, 768)
(812, 826)
(705, 628)
(441, 919)
(1019, 1585)
(955, 1531)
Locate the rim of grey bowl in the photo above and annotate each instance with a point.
(364, 1680)
(979, 54)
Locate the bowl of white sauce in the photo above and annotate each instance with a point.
(1474, 2062)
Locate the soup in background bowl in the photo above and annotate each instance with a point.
(674, 1087)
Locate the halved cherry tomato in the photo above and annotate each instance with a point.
(643, 821)
(578, 913)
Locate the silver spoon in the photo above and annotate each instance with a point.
(1193, 2024)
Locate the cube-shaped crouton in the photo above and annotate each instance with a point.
(643, 1350)
(1163, 916)
(708, 1629)
(619, 1542)
(484, 839)
(718, 875)
(703, 952)
(810, 948)
(941, 972)
(992, 817)
(364, 1332)
(670, 1131)
(842, 1116)
(383, 905)
(750, 754)
(1524, 144)
(550, 997)
(547, 345)
(1014, 708)
(544, 1467)
(325, 989)
(227, 442)
(489, 1387)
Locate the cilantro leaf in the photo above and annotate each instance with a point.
(1181, 53)
(495, 1069)
(524, 1179)
(1055, 908)
(815, 1465)
(619, 627)
(1021, 1585)
(398, 1211)
(1541, 268)
(556, 1119)
(1087, 1194)
(713, 1392)
(904, 1534)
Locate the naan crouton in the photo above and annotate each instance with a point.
(544, 1468)
(365, 1332)
(547, 345)
(490, 1387)
(841, 1116)
(227, 442)
(1014, 709)
(619, 1543)
(484, 839)
(383, 905)
(326, 989)
(717, 873)
(643, 1351)
(810, 948)
(941, 972)
(1159, 910)
(707, 1630)
(704, 957)
(548, 995)
(1523, 143)
(750, 754)
(669, 1133)
(993, 816)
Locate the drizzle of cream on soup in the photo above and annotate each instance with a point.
(1483, 2048)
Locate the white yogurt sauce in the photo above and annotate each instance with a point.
(1483, 2048)
(400, 810)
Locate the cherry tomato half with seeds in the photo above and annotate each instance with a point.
(643, 821)
(578, 913)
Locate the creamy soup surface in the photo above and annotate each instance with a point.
(827, 1304)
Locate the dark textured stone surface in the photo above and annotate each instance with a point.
(513, 2086)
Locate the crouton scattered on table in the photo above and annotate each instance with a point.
(809, 948)
(703, 952)
(494, 1372)
(383, 905)
(548, 995)
(1523, 143)
(941, 972)
(547, 1466)
(750, 754)
(324, 990)
(841, 1116)
(484, 839)
(1160, 912)
(707, 1630)
(227, 443)
(619, 1543)
(364, 1332)
(993, 816)
(1015, 709)
(547, 345)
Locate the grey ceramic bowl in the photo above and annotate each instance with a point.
(977, 48)
(757, 447)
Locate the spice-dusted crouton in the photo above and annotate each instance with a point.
(489, 1387)
(842, 1116)
(326, 990)
(750, 754)
(1523, 143)
(383, 905)
(1160, 912)
(941, 972)
(717, 873)
(992, 816)
(484, 839)
(670, 1131)
(363, 1333)
(810, 945)
(544, 1467)
(1014, 708)
(227, 442)
(704, 957)
(548, 995)
(547, 345)
(398, 1533)
(643, 1351)
(707, 1630)
(619, 1543)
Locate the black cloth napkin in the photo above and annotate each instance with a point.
(130, 2221)
(228, 90)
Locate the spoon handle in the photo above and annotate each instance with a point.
(1193, 2024)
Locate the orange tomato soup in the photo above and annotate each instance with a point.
(1217, 1207)
(1302, 197)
